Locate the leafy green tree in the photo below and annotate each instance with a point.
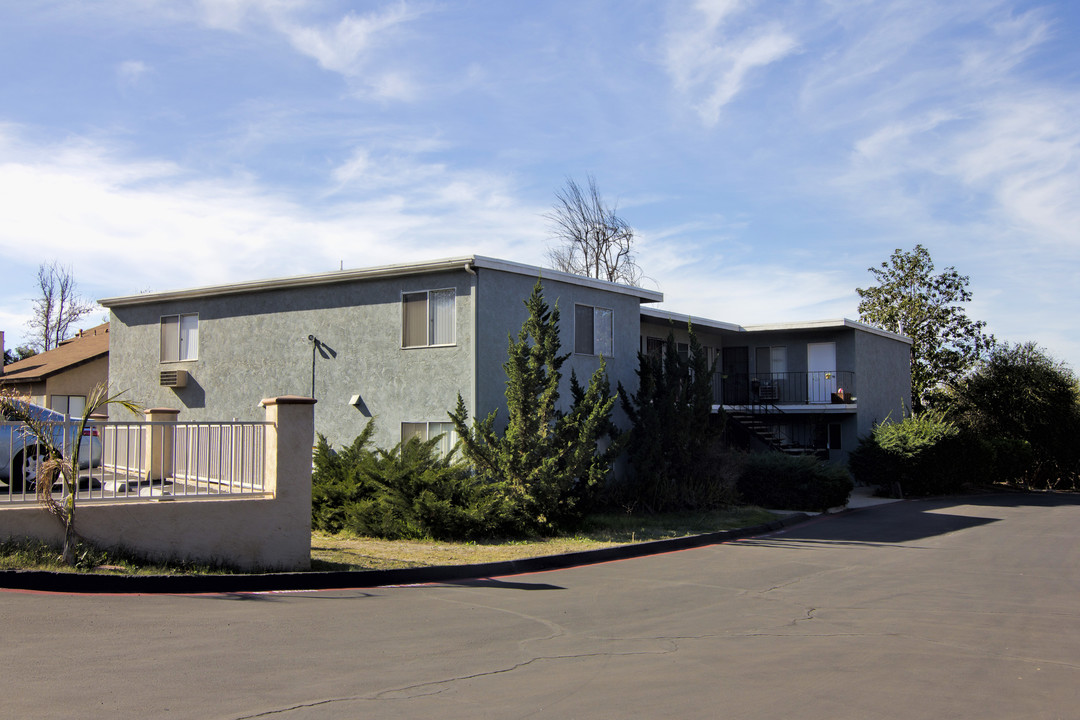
(1020, 393)
(20, 353)
(911, 300)
(547, 464)
(674, 435)
(60, 459)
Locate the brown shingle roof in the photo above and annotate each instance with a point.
(87, 345)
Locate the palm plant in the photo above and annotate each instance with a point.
(60, 458)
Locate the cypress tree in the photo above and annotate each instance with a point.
(673, 437)
(546, 462)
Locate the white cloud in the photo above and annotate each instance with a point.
(346, 45)
(341, 47)
(131, 72)
(710, 63)
(127, 226)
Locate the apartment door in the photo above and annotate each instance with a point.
(821, 375)
(735, 366)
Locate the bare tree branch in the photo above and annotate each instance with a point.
(56, 308)
(595, 241)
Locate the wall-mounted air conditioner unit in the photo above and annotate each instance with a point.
(174, 378)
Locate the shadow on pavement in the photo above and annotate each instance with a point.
(882, 525)
(909, 521)
(506, 585)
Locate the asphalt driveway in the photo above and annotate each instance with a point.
(931, 609)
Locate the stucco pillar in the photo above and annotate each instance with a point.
(158, 443)
(289, 438)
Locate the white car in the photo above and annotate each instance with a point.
(20, 452)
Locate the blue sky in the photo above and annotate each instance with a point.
(767, 153)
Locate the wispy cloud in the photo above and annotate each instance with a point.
(710, 62)
(344, 45)
(131, 72)
(962, 125)
(129, 225)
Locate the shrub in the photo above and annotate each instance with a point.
(336, 480)
(793, 482)
(923, 454)
(406, 492)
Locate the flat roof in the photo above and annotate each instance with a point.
(665, 315)
(835, 323)
(657, 314)
(384, 271)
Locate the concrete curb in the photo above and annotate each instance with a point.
(44, 581)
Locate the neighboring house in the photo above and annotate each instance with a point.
(803, 386)
(399, 343)
(396, 343)
(62, 378)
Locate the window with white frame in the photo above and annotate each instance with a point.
(179, 337)
(427, 318)
(594, 330)
(428, 430)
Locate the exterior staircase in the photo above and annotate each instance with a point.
(763, 427)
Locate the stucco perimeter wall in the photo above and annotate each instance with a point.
(272, 532)
(501, 304)
(884, 379)
(256, 343)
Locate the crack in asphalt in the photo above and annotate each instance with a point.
(407, 692)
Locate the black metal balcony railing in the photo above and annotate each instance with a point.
(787, 388)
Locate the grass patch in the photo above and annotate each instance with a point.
(347, 552)
(29, 554)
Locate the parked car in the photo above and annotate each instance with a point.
(20, 452)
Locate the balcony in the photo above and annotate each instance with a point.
(810, 389)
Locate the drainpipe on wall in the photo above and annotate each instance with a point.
(471, 269)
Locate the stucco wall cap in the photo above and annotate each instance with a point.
(161, 411)
(288, 400)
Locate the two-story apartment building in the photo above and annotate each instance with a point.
(399, 343)
(396, 343)
(797, 386)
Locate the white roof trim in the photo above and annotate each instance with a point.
(551, 274)
(836, 323)
(384, 271)
(662, 315)
(665, 315)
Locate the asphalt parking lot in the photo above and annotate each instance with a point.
(922, 609)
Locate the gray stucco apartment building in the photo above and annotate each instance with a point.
(399, 343)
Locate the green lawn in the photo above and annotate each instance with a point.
(346, 552)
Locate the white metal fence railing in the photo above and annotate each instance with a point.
(130, 461)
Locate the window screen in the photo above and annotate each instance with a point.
(603, 342)
(179, 337)
(593, 330)
(427, 318)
